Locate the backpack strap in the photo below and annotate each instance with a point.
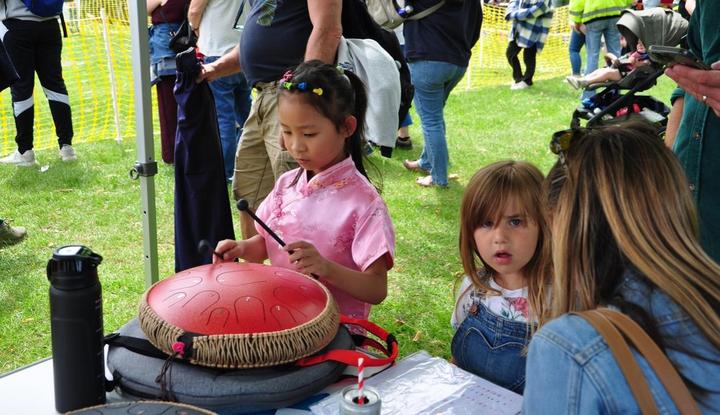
(134, 344)
(350, 357)
(239, 14)
(607, 322)
(427, 12)
(144, 347)
(62, 24)
(660, 364)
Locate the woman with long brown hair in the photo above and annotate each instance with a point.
(625, 237)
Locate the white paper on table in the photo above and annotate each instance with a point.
(422, 384)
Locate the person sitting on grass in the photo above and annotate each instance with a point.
(618, 68)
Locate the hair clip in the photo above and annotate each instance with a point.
(340, 69)
(300, 86)
(288, 75)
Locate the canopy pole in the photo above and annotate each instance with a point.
(145, 166)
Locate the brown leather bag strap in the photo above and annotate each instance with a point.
(628, 365)
(660, 364)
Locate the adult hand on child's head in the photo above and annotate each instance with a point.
(229, 249)
(701, 84)
(306, 258)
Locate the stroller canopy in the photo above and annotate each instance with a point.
(656, 26)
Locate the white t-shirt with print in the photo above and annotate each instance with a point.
(510, 304)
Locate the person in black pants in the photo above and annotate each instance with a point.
(522, 80)
(34, 44)
(530, 26)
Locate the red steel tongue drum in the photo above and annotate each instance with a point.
(281, 330)
(239, 315)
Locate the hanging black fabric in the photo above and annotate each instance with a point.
(202, 204)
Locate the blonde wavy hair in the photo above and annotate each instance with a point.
(621, 200)
(486, 195)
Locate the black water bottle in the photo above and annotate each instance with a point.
(77, 328)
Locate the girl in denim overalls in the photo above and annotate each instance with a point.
(504, 248)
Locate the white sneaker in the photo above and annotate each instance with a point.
(576, 82)
(67, 153)
(519, 85)
(26, 159)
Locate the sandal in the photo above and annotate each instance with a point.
(414, 166)
(403, 142)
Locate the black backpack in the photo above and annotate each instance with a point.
(358, 24)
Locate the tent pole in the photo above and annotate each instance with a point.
(145, 167)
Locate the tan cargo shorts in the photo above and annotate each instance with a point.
(259, 160)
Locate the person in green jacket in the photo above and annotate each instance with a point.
(697, 143)
(599, 18)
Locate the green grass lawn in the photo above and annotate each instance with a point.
(93, 202)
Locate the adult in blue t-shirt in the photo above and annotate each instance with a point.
(437, 49)
(278, 35)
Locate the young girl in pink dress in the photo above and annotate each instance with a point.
(332, 218)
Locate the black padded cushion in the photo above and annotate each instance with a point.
(237, 390)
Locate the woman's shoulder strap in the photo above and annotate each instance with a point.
(615, 327)
(659, 362)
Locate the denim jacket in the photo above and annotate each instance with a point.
(570, 369)
(162, 58)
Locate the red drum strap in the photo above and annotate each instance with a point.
(350, 357)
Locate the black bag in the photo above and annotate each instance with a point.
(135, 376)
(140, 370)
(183, 39)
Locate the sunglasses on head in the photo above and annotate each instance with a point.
(562, 140)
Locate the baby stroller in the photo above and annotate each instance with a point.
(656, 26)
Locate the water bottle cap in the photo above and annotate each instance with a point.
(73, 266)
(76, 252)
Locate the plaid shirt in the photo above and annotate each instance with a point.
(530, 22)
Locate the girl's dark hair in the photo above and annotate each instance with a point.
(343, 94)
